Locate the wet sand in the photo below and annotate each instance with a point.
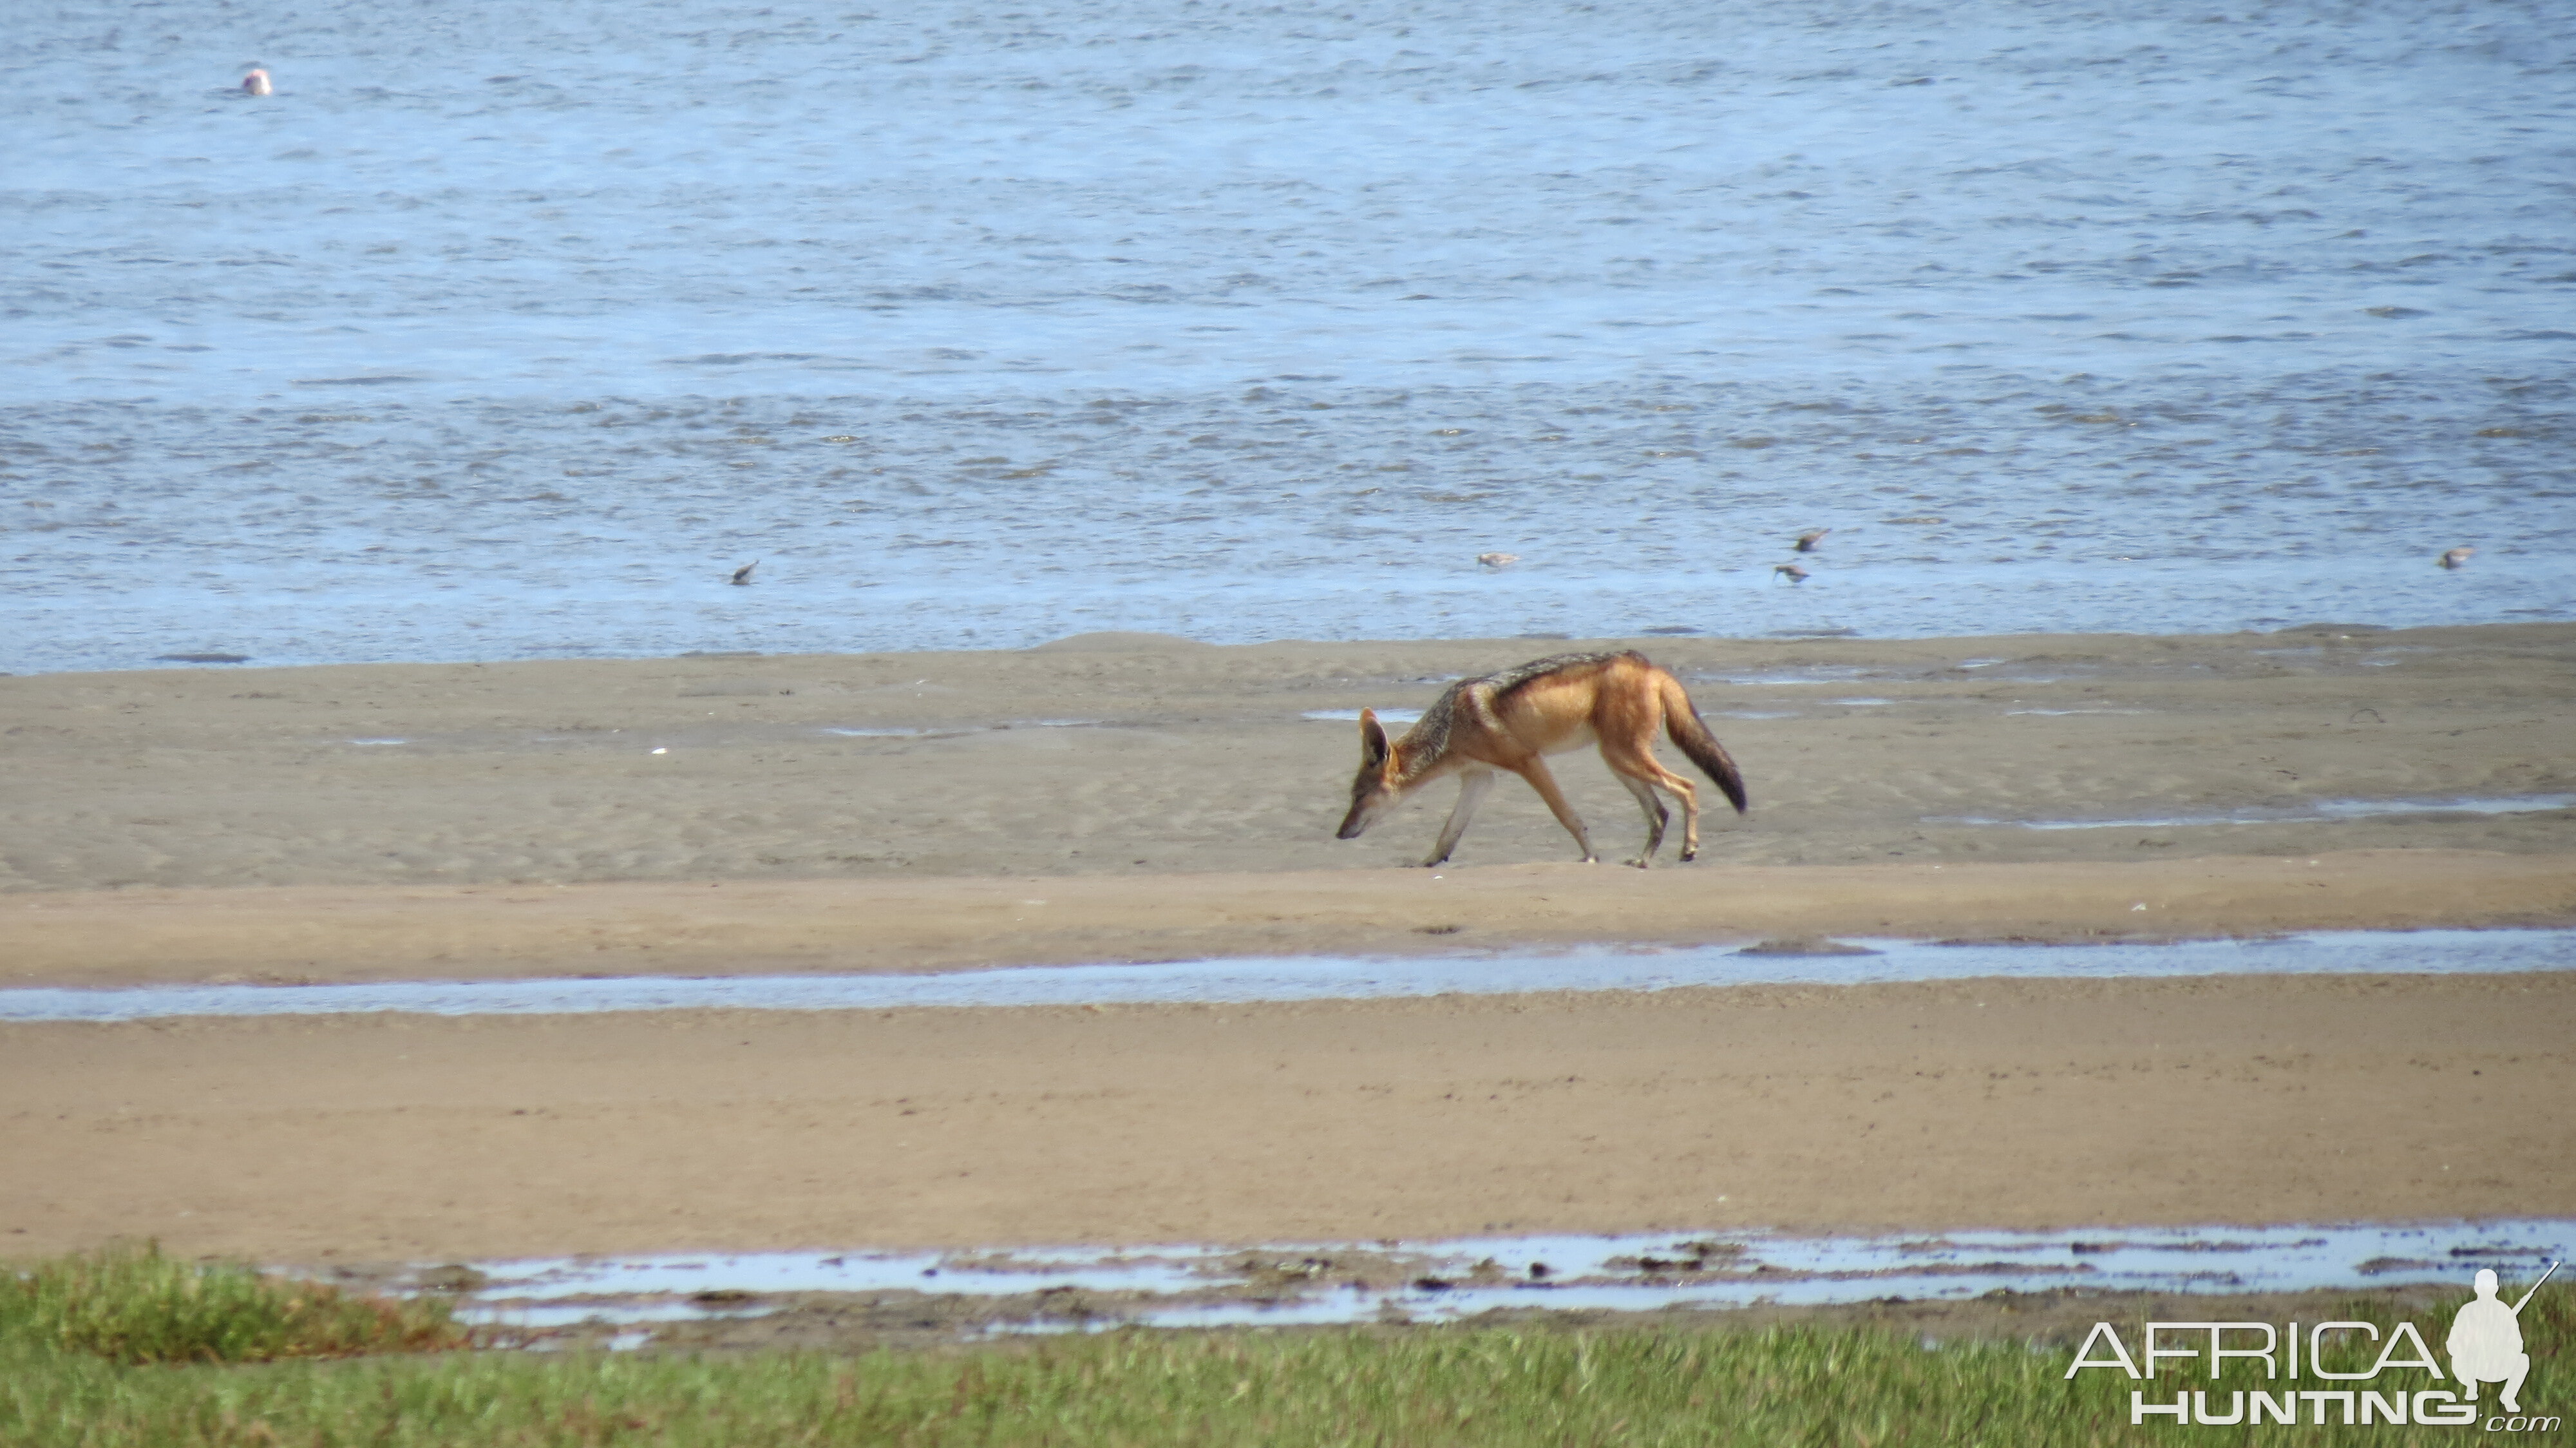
(310, 934)
(2017, 1104)
(194, 823)
(1154, 799)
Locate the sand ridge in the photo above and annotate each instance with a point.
(303, 934)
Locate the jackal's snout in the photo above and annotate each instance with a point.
(1374, 786)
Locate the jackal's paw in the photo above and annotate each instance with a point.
(1689, 855)
(1641, 862)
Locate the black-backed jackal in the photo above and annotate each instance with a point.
(1513, 719)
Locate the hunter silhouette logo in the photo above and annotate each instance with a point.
(2485, 1345)
(2486, 1341)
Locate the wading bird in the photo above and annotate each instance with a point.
(1790, 571)
(742, 575)
(1808, 540)
(2455, 557)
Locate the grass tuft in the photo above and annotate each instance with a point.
(132, 1305)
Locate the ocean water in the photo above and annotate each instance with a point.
(505, 331)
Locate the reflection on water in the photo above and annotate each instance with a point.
(1790, 675)
(1333, 977)
(1344, 716)
(2307, 810)
(1300, 1283)
(977, 328)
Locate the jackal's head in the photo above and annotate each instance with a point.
(1375, 787)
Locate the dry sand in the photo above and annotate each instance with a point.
(210, 823)
(1908, 1107)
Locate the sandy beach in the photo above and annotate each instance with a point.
(1901, 1107)
(1143, 755)
(1137, 797)
(293, 935)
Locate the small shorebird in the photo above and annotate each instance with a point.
(256, 83)
(2455, 557)
(1808, 540)
(1791, 571)
(742, 575)
(1498, 560)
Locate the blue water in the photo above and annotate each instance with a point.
(504, 331)
(1579, 1273)
(1327, 977)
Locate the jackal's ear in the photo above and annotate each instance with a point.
(1373, 745)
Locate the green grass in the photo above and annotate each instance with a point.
(133, 1305)
(1666, 1383)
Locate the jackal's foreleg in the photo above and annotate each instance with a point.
(1535, 771)
(1656, 818)
(1471, 792)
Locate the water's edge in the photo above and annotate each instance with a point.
(1291, 978)
(1311, 1283)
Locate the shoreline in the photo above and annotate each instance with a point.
(1137, 640)
(1173, 800)
(1144, 755)
(2059, 1319)
(1168, 800)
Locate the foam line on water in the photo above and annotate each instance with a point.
(1288, 978)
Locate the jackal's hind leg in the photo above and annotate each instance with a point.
(1639, 769)
(1656, 817)
(1535, 771)
(1471, 792)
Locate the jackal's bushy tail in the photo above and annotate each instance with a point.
(1682, 722)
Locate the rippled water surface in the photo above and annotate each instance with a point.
(505, 332)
